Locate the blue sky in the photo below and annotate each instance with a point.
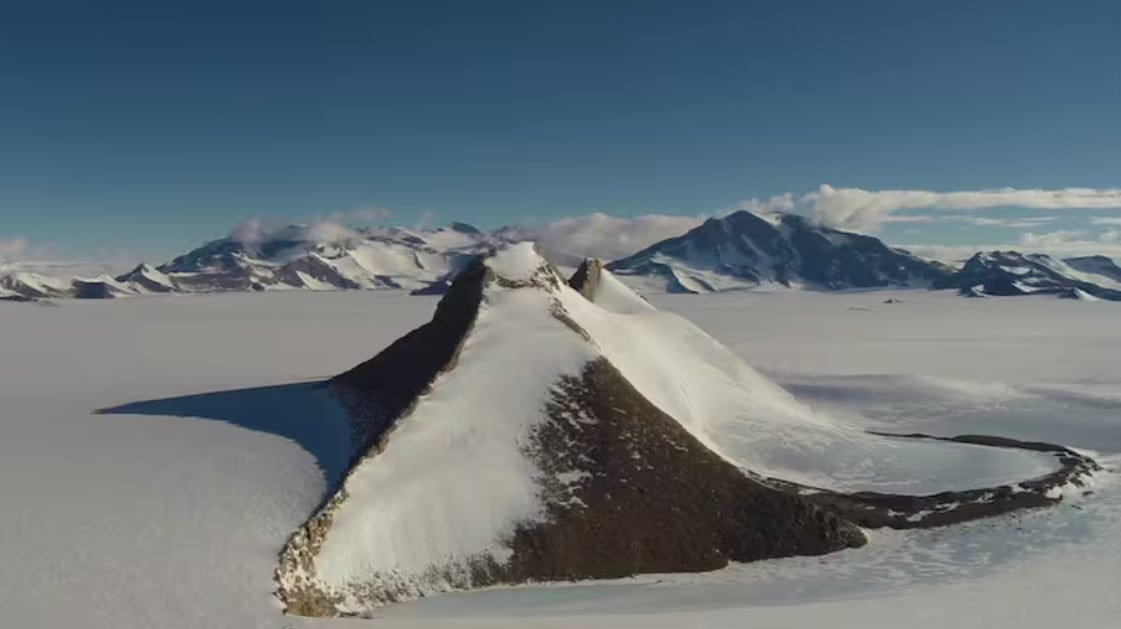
(151, 126)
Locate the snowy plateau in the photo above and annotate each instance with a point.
(157, 453)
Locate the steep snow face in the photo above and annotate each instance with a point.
(743, 250)
(453, 479)
(756, 424)
(1014, 273)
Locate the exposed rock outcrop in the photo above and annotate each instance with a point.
(623, 488)
(382, 389)
(504, 442)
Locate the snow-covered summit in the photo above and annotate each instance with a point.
(318, 257)
(745, 250)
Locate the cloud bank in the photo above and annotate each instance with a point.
(566, 241)
(12, 249)
(20, 254)
(570, 240)
(865, 210)
(330, 227)
(1061, 243)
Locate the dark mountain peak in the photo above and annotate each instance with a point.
(1093, 258)
(1016, 273)
(586, 278)
(1100, 265)
(93, 289)
(743, 249)
(464, 228)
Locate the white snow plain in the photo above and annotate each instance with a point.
(169, 508)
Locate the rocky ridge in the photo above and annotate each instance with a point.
(618, 486)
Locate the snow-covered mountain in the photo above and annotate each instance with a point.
(322, 256)
(1000, 273)
(29, 285)
(32, 285)
(311, 257)
(626, 441)
(745, 250)
(738, 251)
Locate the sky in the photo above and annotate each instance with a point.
(145, 128)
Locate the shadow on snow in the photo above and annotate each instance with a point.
(306, 413)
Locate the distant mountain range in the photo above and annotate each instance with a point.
(740, 251)
(1002, 273)
(292, 258)
(298, 257)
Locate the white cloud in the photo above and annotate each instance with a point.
(256, 231)
(367, 215)
(425, 220)
(12, 248)
(913, 218)
(777, 203)
(253, 230)
(329, 227)
(567, 241)
(1019, 222)
(570, 240)
(1060, 243)
(860, 209)
(1073, 242)
(19, 254)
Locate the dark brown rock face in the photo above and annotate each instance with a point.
(901, 511)
(586, 278)
(649, 497)
(382, 389)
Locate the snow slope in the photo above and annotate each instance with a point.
(759, 426)
(171, 510)
(454, 480)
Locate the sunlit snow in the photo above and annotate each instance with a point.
(169, 507)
